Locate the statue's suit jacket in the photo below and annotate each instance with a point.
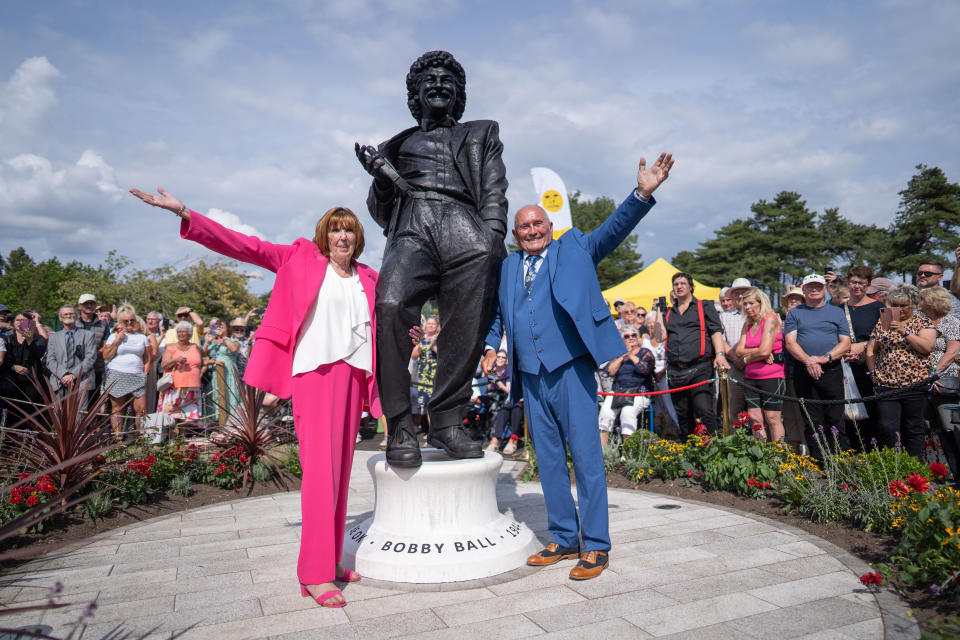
(477, 150)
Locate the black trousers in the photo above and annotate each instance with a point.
(902, 415)
(695, 403)
(825, 417)
(508, 415)
(438, 248)
(867, 428)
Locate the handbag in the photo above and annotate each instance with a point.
(620, 402)
(164, 382)
(852, 410)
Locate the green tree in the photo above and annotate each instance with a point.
(926, 223)
(216, 288)
(27, 284)
(624, 261)
(781, 242)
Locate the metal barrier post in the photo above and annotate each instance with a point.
(724, 400)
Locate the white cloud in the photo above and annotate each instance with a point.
(27, 97)
(232, 221)
(202, 49)
(877, 129)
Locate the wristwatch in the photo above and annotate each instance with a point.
(829, 356)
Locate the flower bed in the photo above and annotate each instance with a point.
(884, 490)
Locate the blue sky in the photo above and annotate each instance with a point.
(248, 110)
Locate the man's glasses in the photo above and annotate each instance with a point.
(857, 283)
(928, 274)
(630, 335)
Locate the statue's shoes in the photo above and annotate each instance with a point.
(455, 442)
(404, 457)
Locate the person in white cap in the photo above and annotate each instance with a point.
(817, 336)
(88, 319)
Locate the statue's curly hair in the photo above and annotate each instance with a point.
(427, 61)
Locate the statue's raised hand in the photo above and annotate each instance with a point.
(372, 161)
(649, 179)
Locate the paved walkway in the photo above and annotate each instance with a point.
(678, 569)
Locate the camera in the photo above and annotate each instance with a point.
(661, 304)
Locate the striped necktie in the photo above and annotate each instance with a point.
(532, 262)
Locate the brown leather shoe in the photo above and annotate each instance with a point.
(552, 554)
(591, 564)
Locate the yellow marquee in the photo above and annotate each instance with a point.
(651, 283)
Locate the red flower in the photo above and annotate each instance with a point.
(918, 483)
(16, 497)
(743, 416)
(939, 470)
(151, 459)
(871, 578)
(844, 486)
(32, 501)
(24, 476)
(898, 489)
(756, 426)
(752, 482)
(700, 430)
(100, 459)
(46, 485)
(689, 472)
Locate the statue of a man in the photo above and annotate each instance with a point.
(439, 192)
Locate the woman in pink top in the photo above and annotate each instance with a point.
(315, 344)
(761, 347)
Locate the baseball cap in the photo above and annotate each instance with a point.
(813, 277)
(793, 290)
(739, 283)
(879, 285)
(619, 301)
(87, 297)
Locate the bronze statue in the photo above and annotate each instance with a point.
(439, 192)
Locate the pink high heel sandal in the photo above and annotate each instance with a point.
(323, 597)
(349, 576)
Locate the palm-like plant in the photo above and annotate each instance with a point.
(255, 430)
(59, 435)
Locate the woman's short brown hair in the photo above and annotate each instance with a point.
(338, 217)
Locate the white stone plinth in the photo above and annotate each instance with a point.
(437, 523)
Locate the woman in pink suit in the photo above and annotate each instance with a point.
(316, 343)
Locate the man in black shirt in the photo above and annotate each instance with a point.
(694, 346)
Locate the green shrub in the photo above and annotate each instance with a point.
(730, 462)
(99, 505)
(261, 472)
(182, 485)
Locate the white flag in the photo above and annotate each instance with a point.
(553, 197)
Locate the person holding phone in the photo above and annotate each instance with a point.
(22, 364)
(127, 354)
(898, 358)
(220, 351)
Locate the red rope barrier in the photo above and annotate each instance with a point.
(657, 393)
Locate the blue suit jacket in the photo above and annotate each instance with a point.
(572, 269)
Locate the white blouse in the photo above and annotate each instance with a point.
(337, 326)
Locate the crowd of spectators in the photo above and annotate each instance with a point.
(103, 349)
(835, 337)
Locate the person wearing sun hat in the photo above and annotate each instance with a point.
(878, 289)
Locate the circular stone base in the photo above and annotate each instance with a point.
(437, 523)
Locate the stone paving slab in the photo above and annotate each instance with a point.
(693, 571)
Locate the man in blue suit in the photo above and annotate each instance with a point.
(558, 329)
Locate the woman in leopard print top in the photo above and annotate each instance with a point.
(898, 358)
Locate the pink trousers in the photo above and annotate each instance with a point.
(327, 404)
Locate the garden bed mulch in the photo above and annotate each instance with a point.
(73, 526)
(869, 547)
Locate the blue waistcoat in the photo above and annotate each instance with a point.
(545, 332)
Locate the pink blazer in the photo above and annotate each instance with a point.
(300, 268)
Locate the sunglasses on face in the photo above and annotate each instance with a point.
(928, 274)
(183, 315)
(630, 335)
